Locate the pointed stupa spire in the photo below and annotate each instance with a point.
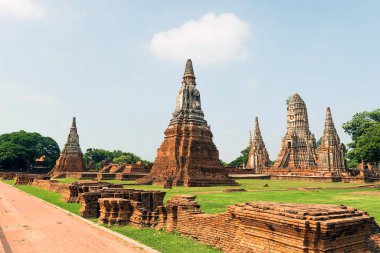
(257, 126)
(189, 71)
(250, 141)
(329, 121)
(74, 123)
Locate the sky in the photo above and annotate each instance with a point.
(117, 66)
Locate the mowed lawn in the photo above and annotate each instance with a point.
(214, 200)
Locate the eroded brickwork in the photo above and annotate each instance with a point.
(258, 157)
(71, 158)
(188, 155)
(298, 146)
(331, 151)
(248, 227)
(274, 227)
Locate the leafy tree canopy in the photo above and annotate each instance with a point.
(19, 150)
(364, 129)
(116, 156)
(243, 158)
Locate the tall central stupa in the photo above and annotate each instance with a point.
(298, 146)
(188, 155)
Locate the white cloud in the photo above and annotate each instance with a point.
(211, 40)
(21, 9)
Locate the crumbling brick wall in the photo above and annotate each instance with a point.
(22, 179)
(275, 227)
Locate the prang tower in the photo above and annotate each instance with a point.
(331, 151)
(188, 155)
(258, 158)
(71, 158)
(298, 146)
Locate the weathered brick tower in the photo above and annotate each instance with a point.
(188, 156)
(258, 158)
(331, 151)
(298, 146)
(71, 158)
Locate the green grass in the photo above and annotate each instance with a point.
(164, 241)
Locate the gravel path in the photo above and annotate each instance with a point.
(28, 225)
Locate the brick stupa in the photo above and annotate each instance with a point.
(298, 146)
(258, 157)
(331, 151)
(188, 155)
(71, 158)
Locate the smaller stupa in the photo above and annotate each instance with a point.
(71, 158)
(331, 151)
(258, 158)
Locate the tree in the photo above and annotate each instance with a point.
(243, 158)
(364, 130)
(368, 145)
(97, 155)
(116, 156)
(126, 158)
(19, 150)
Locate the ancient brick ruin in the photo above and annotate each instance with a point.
(188, 155)
(71, 158)
(331, 151)
(298, 146)
(274, 227)
(137, 168)
(247, 227)
(258, 157)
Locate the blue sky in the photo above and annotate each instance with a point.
(117, 67)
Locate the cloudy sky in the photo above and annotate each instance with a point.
(117, 66)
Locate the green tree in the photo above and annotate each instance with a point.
(97, 155)
(243, 158)
(364, 131)
(126, 158)
(116, 156)
(19, 150)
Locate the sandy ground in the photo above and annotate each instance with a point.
(29, 225)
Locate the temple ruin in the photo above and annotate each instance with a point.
(188, 155)
(298, 146)
(71, 158)
(331, 150)
(246, 227)
(258, 157)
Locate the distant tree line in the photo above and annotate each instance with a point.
(99, 156)
(20, 150)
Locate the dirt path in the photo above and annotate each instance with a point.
(29, 225)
